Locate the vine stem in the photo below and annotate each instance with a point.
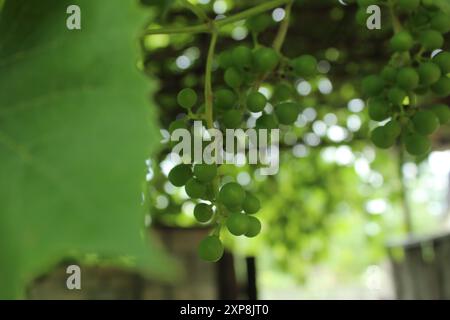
(208, 81)
(403, 194)
(395, 22)
(195, 10)
(217, 24)
(282, 31)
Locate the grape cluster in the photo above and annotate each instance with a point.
(396, 96)
(236, 96)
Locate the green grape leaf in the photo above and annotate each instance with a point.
(75, 130)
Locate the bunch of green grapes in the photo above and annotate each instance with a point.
(235, 98)
(417, 69)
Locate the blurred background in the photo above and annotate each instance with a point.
(341, 220)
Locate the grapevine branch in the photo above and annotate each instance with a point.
(218, 24)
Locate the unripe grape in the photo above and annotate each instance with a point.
(425, 122)
(304, 66)
(383, 137)
(442, 111)
(259, 23)
(441, 22)
(177, 124)
(266, 121)
(366, 3)
(361, 17)
(394, 128)
(233, 78)
(232, 195)
(442, 87)
(225, 99)
(431, 39)
(389, 74)
(407, 79)
(251, 204)
(205, 172)
(379, 109)
(372, 85)
(180, 174)
(226, 59)
(428, 3)
(203, 212)
(242, 57)
(256, 101)
(282, 92)
(417, 144)
(232, 119)
(442, 59)
(187, 98)
(265, 59)
(287, 112)
(429, 73)
(408, 5)
(195, 189)
(396, 96)
(211, 249)
(253, 227)
(237, 224)
(401, 41)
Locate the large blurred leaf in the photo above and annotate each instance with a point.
(75, 130)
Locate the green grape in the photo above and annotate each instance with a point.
(442, 111)
(232, 119)
(266, 121)
(425, 122)
(408, 5)
(180, 174)
(407, 79)
(442, 87)
(287, 112)
(187, 98)
(233, 78)
(251, 204)
(242, 57)
(396, 96)
(441, 22)
(394, 128)
(443, 61)
(304, 66)
(253, 227)
(428, 3)
(211, 249)
(256, 101)
(177, 124)
(389, 74)
(226, 59)
(372, 85)
(383, 137)
(265, 59)
(237, 224)
(379, 109)
(225, 99)
(417, 144)
(361, 17)
(205, 172)
(282, 92)
(232, 195)
(429, 73)
(431, 39)
(401, 41)
(195, 188)
(259, 23)
(203, 212)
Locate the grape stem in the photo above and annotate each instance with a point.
(199, 12)
(282, 31)
(212, 26)
(208, 81)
